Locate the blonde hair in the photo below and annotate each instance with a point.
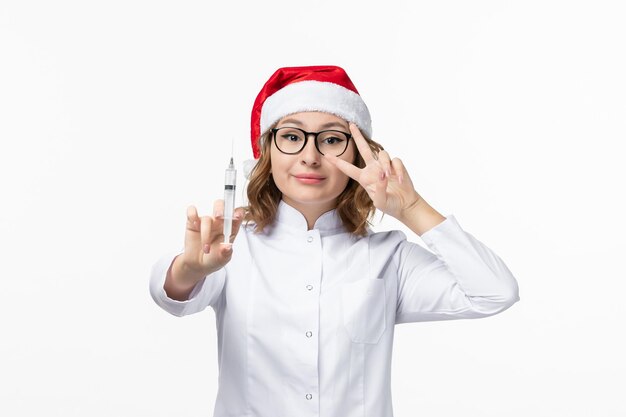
(354, 206)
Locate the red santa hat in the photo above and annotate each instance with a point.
(324, 88)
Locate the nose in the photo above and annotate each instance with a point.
(310, 155)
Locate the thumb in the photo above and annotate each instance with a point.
(225, 253)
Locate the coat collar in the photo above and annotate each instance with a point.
(288, 217)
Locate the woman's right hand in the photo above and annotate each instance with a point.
(205, 250)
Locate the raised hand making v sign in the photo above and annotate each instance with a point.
(388, 184)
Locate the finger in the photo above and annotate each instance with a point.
(399, 169)
(385, 162)
(240, 213)
(192, 231)
(193, 221)
(237, 219)
(205, 233)
(238, 216)
(361, 144)
(346, 167)
(379, 197)
(218, 208)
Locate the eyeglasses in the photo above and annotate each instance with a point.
(291, 140)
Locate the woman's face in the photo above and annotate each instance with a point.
(308, 182)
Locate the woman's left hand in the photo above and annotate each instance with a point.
(386, 180)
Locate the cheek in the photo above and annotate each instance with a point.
(278, 169)
(341, 179)
(275, 161)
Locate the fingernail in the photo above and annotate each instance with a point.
(229, 246)
(388, 172)
(206, 248)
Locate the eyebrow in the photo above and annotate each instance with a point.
(322, 127)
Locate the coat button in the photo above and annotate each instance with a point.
(309, 239)
(309, 287)
(309, 334)
(309, 396)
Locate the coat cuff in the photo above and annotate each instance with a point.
(157, 281)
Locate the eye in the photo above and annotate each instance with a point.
(332, 140)
(291, 137)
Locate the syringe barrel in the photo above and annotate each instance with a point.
(229, 203)
(230, 178)
(229, 208)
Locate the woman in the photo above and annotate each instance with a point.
(307, 297)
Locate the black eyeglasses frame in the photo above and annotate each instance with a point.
(306, 138)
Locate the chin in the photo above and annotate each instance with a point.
(306, 199)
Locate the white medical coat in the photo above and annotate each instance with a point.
(305, 318)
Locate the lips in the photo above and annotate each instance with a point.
(309, 176)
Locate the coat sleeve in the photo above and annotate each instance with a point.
(461, 278)
(206, 292)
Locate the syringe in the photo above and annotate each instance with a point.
(229, 199)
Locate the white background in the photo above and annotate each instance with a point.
(115, 116)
